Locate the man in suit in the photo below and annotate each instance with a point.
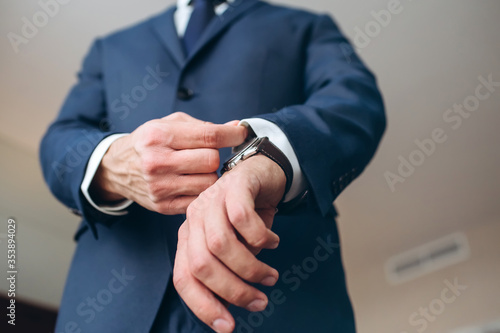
(166, 245)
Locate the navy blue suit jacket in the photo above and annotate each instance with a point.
(256, 60)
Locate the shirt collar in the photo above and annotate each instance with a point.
(185, 3)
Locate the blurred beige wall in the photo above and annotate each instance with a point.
(428, 57)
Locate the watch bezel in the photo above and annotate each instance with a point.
(246, 152)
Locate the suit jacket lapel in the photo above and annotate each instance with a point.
(235, 10)
(164, 28)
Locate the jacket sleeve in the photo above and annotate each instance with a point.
(70, 140)
(335, 133)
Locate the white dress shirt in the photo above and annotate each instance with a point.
(261, 127)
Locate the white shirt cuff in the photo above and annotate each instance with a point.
(94, 162)
(263, 127)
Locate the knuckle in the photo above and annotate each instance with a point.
(217, 243)
(164, 207)
(193, 209)
(202, 198)
(211, 192)
(179, 280)
(155, 200)
(174, 206)
(259, 238)
(180, 233)
(168, 139)
(178, 207)
(210, 136)
(154, 192)
(158, 208)
(239, 295)
(177, 115)
(200, 267)
(150, 135)
(240, 214)
(149, 164)
(252, 274)
(205, 311)
(156, 133)
(255, 251)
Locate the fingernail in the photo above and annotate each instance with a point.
(222, 325)
(269, 281)
(257, 305)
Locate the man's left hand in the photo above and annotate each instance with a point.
(225, 227)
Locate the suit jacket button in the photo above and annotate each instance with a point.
(185, 94)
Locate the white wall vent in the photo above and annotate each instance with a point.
(427, 258)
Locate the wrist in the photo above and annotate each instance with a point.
(270, 176)
(103, 187)
(261, 145)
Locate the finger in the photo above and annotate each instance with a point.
(217, 277)
(202, 160)
(189, 136)
(168, 206)
(175, 206)
(183, 117)
(242, 215)
(232, 123)
(170, 194)
(267, 215)
(223, 244)
(170, 186)
(193, 184)
(197, 297)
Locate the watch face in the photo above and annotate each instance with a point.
(251, 145)
(250, 150)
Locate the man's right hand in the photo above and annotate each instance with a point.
(164, 164)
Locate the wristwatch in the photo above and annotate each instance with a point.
(264, 146)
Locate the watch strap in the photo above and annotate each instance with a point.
(268, 149)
